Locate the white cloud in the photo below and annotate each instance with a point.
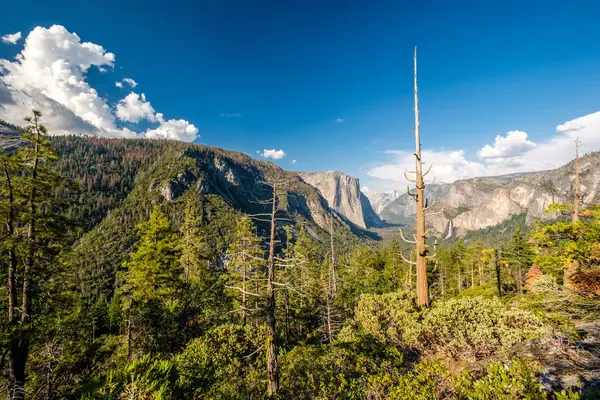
(274, 154)
(11, 38)
(134, 108)
(509, 154)
(235, 115)
(339, 120)
(448, 166)
(293, 161)
(50, 74)
(177, 129)
(53, 65)
(514, 144)
(132, 84)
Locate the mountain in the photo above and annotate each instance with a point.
(343, 194)
(380, 200)
(121, 180)
(478, 203)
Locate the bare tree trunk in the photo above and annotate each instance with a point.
(271, 345)
(332, 274)
(420, 238)
(498, 275)
(442, 286)
(472, 274)
(329, 324)
(480, 267)
(244, 305)
(577, 188)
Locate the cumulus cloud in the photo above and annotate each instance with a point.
(177, 129)
(119, 85)
(134, 108)
(11, 38)
(514, 144)
(50, 74)
(274, 154)
(448, 166)
(512, 153)
(293, 161)
(339, 120)
(132, 84)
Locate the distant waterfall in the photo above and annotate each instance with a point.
(450, 230)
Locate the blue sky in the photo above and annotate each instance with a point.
(256, 75)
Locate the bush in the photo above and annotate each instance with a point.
(502, 381)
(335, 371)
(146, 378)
(224, 363)
(393, 318)
(487, 290)
(475, 326)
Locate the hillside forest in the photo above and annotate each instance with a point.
(149, 269)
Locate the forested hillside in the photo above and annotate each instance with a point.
(147, 269)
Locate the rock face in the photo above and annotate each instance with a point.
(380, 200)
(343, 194)
(473, 204)
(240, 181)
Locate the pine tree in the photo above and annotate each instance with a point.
(151, 283)
(519, 255)
(246, 265)
(35, 231)
(153, 271)
(192, 246)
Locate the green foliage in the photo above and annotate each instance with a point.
(142, 299)
(487, 290)
(393, 318)
(452, 213)
(153, 271)
(223, 364)
(147, 378)
(502, 381)
(339, 370)
(475, 326)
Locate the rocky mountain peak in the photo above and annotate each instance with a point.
(343, 194)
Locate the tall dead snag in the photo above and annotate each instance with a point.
(272, 367)
(577, 188)
(419, 196)
(498, 274)
(332, 284)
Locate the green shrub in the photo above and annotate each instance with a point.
(225, 363)
(475, 326)
(146, 378)
(487, 290)
(427, 381)
(335, 371)
(515, 379)
(392, 318)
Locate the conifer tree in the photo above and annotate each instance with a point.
(519, 255)
(34, 232)
(152, 280)
(246, 262)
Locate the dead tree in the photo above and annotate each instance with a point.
(420, 237)
(265, 294)
(332, 284)
(498, 275)
(577, 188)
